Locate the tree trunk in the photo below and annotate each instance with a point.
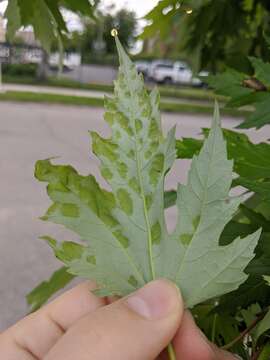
(42, 72)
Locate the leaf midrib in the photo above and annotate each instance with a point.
(139, 174)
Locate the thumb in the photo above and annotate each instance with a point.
(137, 327)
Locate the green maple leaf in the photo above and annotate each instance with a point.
(254, 290)
(126, 242)
(263, 326)
(41, 294)
(44, 16)
(245, 90)
(251, 161)
(220, 328)
(260, 187)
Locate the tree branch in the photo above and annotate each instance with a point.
(245, 332)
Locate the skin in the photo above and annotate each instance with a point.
(80, 326)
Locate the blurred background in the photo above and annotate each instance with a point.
(56, 65)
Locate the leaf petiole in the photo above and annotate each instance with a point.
(171, 352)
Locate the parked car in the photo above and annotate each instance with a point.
(143, 67)
(177, 73)
(155, 64)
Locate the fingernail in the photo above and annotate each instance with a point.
(155, 300)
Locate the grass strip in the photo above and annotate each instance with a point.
(23, 96)
(165, 91)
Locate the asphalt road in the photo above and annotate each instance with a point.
(29, 132)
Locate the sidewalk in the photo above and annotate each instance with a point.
(53, 90)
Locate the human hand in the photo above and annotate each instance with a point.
(80, 326)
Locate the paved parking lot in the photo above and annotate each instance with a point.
(29, 132)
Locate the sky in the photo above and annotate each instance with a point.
(141, 7)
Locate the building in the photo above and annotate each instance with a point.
(26, 37)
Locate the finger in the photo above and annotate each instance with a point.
(33, 336)
(190, 343)
(136, 327)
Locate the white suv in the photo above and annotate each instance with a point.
(176, 73)
(155, 64)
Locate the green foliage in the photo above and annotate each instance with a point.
(17, 70)
(126, 243)
(264, 355)
(251, 161)
(45, 16)
(245, 90)
(209, 36)
(252, 168)
(219, 328)
(254, 290)
(260, 187)
(264, 325)
(252, 164)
